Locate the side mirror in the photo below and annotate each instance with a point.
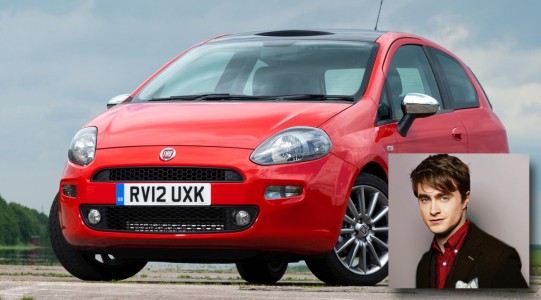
(116, 100)
(416, 106)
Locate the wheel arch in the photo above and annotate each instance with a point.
(375, 169)
(337, 267)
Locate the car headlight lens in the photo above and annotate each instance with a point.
(293, 145)
(83, 146)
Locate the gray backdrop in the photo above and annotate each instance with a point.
(499, 204)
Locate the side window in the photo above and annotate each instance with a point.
(409, 72)
(460, 88)
(384, 108)
(482, 88)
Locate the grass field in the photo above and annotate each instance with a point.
(535, 258)
(18, 255)
(19, 247)
(535, 262)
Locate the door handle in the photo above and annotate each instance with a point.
(457, 134)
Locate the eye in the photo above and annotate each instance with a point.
(424, 199)
(445, 198)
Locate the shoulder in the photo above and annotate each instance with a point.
(493, 254)
(423, 271)
(425, 259)
(486, 241)
(496, 263)
(424, 263)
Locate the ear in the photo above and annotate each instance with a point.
(466, 200)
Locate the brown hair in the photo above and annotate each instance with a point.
(443, 172)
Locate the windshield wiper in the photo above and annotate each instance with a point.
(172, 98)
(226, 97)
(219, 97)
(316, 97)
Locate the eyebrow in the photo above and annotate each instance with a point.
(437, 195)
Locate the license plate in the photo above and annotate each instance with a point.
(185, 194)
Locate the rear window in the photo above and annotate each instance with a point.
(459, 86)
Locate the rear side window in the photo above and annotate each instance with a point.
(459, 86)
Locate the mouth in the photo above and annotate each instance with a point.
(436, 221)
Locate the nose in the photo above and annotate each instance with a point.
(434, 208)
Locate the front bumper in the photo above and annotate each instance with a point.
(306, 224)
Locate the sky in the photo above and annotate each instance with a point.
(62, 60)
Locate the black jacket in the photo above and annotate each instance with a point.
(482, 257)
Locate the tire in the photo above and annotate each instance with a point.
(360, 256)
(262, 271)
(88, 265)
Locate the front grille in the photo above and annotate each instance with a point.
(167, 174)
(167, 219)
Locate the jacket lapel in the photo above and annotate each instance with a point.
(466, 260)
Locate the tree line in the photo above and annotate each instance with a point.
(20, 224)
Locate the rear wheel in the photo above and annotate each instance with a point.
(88, 265)
(262, 271)
(360, 256)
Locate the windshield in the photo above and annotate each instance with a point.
(265, 70)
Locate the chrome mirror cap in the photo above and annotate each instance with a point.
(116, 100)
(419, 104)
(414, 106)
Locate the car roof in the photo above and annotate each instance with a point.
(335, 34)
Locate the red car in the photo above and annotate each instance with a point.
(263, 149)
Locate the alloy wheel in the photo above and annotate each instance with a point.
(362, 246)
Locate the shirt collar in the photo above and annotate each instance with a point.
(456, 240)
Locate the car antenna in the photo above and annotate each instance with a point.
(377, 20)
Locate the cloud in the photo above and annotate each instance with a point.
(61, 62)
(511, 82)
(519, 107)
(60, 66)
(444, 29)
(509, 73)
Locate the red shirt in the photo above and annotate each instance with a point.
(445, 260)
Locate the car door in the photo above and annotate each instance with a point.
(470, 105)
(409, 71)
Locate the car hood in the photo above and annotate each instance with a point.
(224, 124)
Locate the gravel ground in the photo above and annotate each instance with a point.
(176, 281)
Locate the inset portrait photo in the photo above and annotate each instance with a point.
(459, 221)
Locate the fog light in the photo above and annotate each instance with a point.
(69, 190)
(242, 218)
(94, 216)
(285, 191)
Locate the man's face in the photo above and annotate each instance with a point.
(443, 213)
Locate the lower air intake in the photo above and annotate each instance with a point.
(167, 219)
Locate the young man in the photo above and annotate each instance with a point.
(461, 255)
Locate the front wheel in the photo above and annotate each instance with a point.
(360, 256)
(262, 271)
(86, 265)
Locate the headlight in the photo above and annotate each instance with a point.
(83, 146)
(292, 145)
